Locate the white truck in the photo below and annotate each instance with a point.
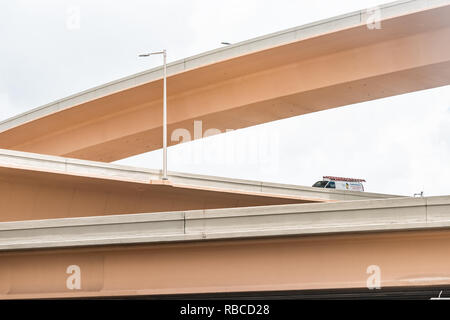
(340, 183)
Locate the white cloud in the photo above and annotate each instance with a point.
(6, 109)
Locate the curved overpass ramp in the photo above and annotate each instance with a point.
(323, 65)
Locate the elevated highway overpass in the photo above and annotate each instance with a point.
(36, 187)
(282, 248)
(323, 65)
(66, 213)
(133, 235)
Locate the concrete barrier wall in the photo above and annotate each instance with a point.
(233, 223)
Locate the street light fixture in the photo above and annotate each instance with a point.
(164, 108)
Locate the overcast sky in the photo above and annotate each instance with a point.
(399, 145)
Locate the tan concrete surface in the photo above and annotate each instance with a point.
(325, 65)
(364, 216)
(34, 187)
(292, 263)
(28, 195)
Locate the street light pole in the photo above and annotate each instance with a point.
(165, 117)
(164, 54)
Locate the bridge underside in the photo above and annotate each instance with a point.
(410, 259)
(343, 64)
(36, 187)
